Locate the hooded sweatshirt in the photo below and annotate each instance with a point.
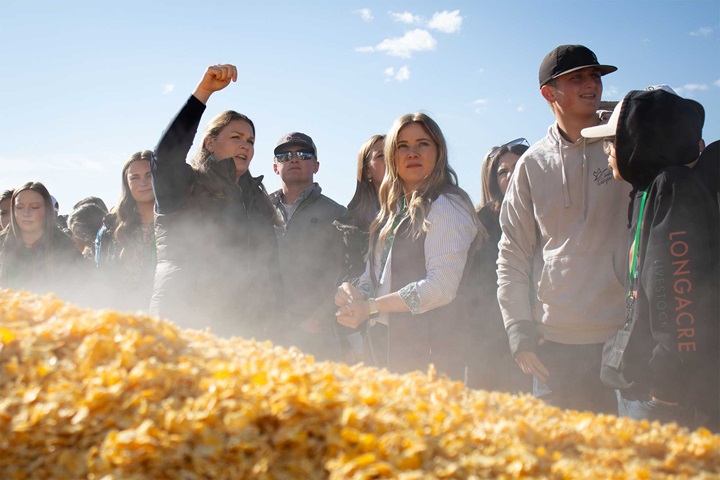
(564, 228)
(673, 352)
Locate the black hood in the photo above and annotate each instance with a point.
(656, 129)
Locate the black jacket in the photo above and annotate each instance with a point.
(217, 257)
(493, 367)
(59, 269)
(674, 349)
(356, 240)
(311, 253)
(129, 283)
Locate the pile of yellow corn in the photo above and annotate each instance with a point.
(102, 395)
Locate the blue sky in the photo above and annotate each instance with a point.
(85, 83)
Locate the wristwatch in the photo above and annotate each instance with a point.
(373, 309)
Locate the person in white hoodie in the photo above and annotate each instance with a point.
(563, 246)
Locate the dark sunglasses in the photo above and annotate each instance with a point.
(284, 157)
(517, 141)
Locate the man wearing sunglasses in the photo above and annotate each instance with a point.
(310, 247)
(564, 243)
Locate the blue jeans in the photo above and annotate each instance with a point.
(653, 411)
(574, 380)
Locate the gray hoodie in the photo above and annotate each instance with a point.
(564, 226)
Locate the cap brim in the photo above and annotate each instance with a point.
(294, 144)
(601, 131)
(604, 70)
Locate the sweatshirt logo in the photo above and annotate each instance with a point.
(682, 285)
(602, 176)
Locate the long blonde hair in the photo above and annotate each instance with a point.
(443, 179)
(365, 201)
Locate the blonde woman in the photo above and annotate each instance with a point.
(421, 245)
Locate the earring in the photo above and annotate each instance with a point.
(211, 157)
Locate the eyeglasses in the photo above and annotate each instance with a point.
(287, 156)
(512, 143)
(607, 142)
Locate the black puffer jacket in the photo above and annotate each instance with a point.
(217, 257)
(673, 353)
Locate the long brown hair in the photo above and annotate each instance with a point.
(491, 193)
(13, 243)
(365, 202)
(443, 179)
(211, 183)
(127, 216)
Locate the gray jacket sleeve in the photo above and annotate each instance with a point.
(516, 250)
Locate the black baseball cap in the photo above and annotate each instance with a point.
(296, 139)
(568, 58)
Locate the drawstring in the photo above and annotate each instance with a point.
(584, 181)
(566, 191)
(566, 187)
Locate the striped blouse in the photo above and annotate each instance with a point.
(451, 231)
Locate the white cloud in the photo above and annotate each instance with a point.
(520, 108)
(480, 105)
(168, 88)
(417, 40)
(446, 21)
(689, 88)
(402, 74)
(365, 14)
(695, 86)
(406, 17)
(611, 91)
(701, 32)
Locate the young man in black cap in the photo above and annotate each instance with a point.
(564, 240)
(310, 247)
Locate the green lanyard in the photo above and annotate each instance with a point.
(633, 273)
(391, 237)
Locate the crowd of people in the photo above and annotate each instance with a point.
(588, 275)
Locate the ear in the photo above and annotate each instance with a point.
(547, 93)
(210, 144)
(317, 166)
(275, 168)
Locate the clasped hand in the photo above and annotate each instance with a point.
(354, 309)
